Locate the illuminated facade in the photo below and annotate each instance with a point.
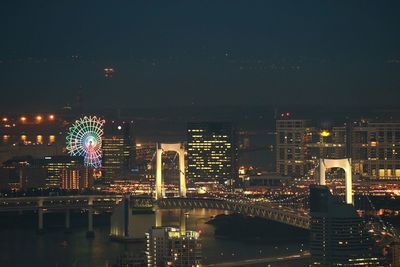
(376, 150)
(118, 150)
(76, 178)
(338, 237)
(178, 148)
(345, 164)
(292, 156)
(56, 164)
(373, 147)
(299, 145)
(211, 152)
(168, 246)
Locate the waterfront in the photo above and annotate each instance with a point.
(56, 248)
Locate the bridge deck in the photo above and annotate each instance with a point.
(54, 203)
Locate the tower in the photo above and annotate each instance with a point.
(178, 148)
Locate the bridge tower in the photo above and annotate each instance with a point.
(178, 148)
(344, 164)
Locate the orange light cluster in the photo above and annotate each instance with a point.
(24, 119)
(38, 118)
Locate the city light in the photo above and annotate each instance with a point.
(108, 72)
(85, 139)
(325, 133)
(52, 139)
(200, 134)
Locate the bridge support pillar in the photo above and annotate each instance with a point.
(40, 221)
(90, 232)
(178, 148)
(159, 191)
(40, 216)
(67, 221)
(182, 222)
(344, 164)
(158, 216)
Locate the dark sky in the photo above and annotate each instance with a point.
(199, 52)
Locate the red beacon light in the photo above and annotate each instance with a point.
(108, 72)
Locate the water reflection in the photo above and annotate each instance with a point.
(22, 246)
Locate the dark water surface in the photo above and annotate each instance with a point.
(21, 245)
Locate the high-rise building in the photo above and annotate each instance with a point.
(338, 237)
(373, 147)
(376, 149)
(118, 145)
(299, 144)
(168, 246)
(292, 156)
(56, 164)
(211, 152)
(76, 178)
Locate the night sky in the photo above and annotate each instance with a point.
(172, 53)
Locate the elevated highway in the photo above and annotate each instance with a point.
(91, 203)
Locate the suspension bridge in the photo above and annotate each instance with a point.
(280, 210)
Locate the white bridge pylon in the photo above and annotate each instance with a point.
(178, 148)
(344, 164)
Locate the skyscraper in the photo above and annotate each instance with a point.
(338, 237)
(376, 150)
(373, 147)
(291, 154)
(168, 246)
(56, 164)
(118, 146)
(299, 144)
(211, 152)
(76, 178)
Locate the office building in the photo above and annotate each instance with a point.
(56, 164)
(373, 147)
(168, 246)
(118, 147)
(299, 144)
(49, 172)
(376, 149)
(211, 152)
(292, 156)
(338, 237)
(76, 178)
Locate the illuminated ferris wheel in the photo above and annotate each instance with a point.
(84, 139)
